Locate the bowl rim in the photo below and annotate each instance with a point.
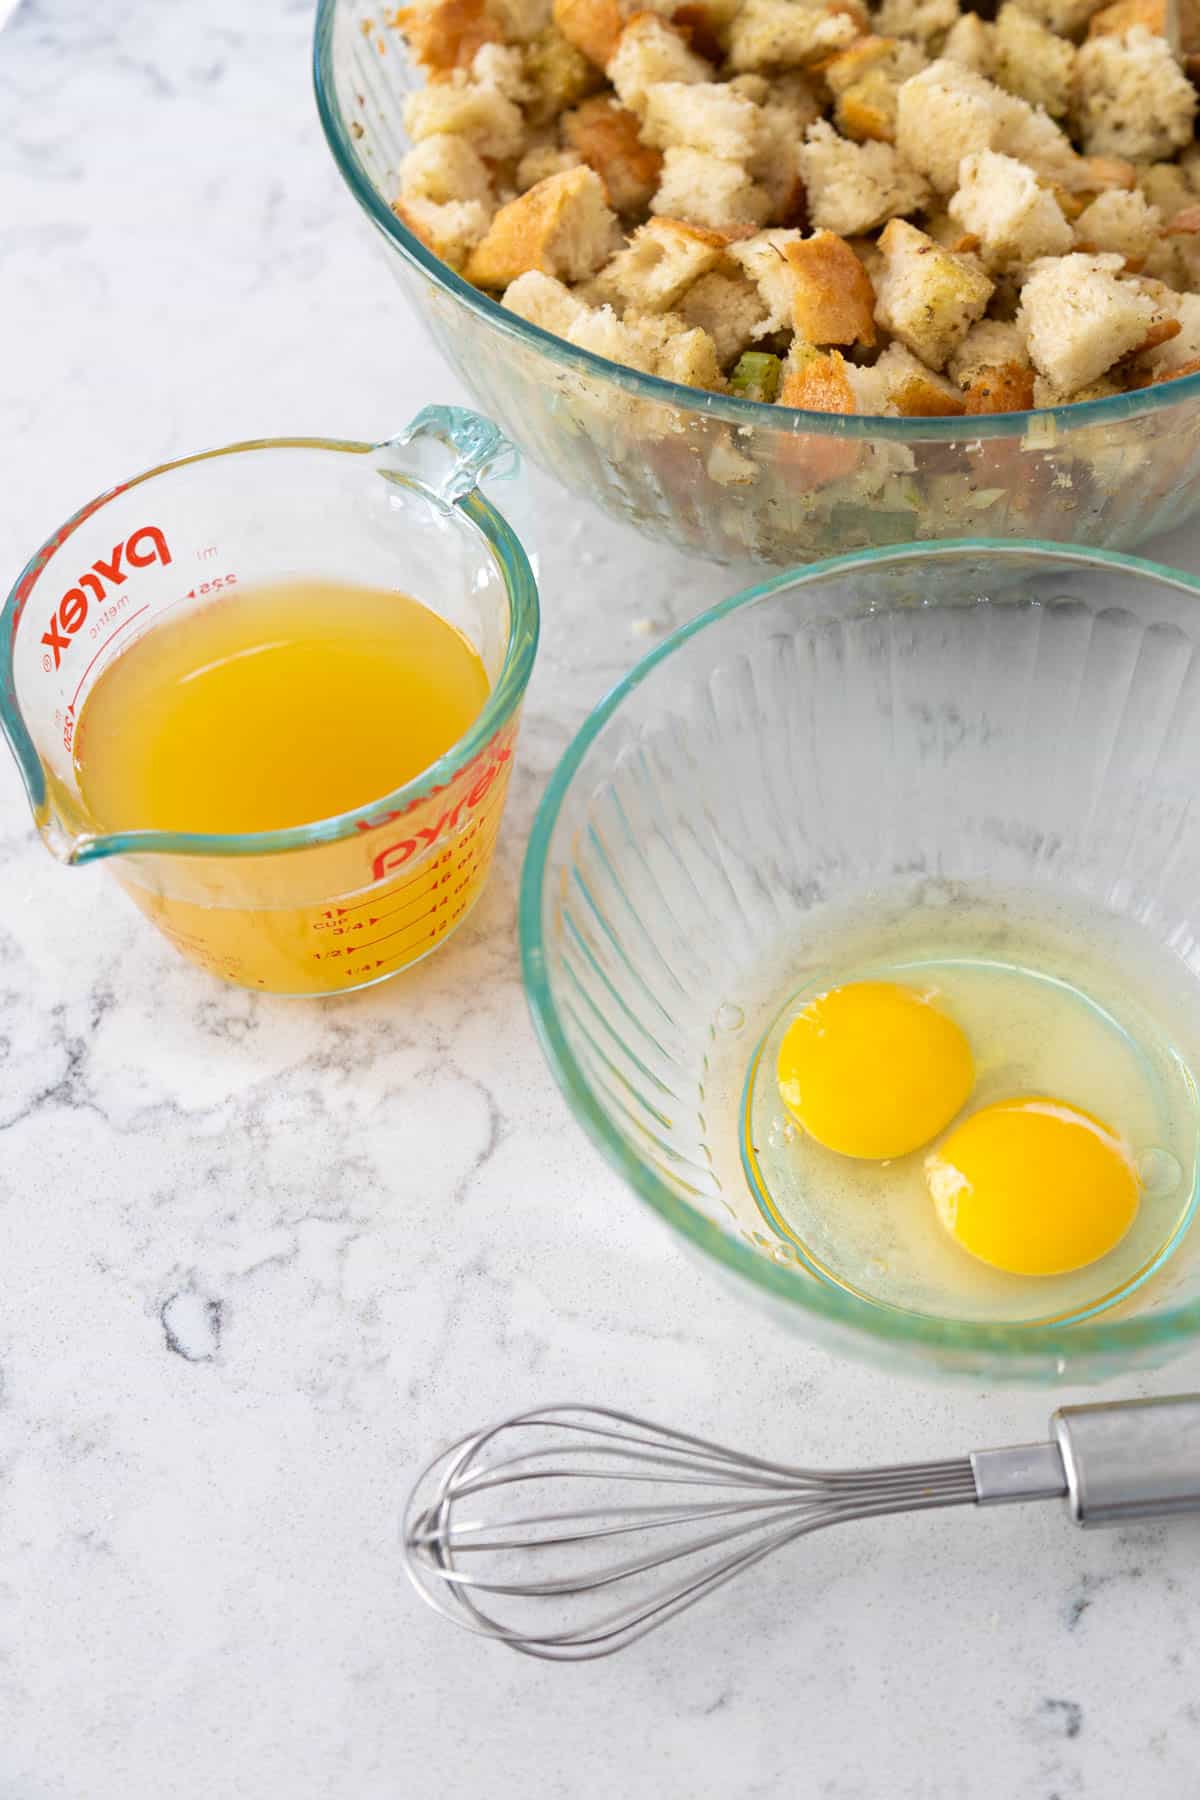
(755, 414)
(833, 1305)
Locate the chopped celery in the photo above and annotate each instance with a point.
(756, 376)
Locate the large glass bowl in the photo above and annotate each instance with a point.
(733, 479)
(904, 724)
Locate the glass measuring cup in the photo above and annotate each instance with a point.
(337, 903)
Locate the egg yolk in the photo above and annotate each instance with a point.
(1033, 1186)
(873, 1069)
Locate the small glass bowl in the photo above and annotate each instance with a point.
(966, 713)
(733, 479)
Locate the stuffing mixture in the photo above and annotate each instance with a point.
(910, 211)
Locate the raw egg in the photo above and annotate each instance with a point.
(1034, 1186)
(873, 1069)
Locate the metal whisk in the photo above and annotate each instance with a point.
(660, 1518)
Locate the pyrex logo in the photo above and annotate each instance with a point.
(145, 546)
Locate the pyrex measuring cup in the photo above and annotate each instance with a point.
(340, 902)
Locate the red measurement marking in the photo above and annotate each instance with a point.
(104, 646)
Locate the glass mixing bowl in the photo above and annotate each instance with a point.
(910, 723)
(733, 479)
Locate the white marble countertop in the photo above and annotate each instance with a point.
(257, 1258)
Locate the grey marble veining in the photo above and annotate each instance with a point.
(259, 1257)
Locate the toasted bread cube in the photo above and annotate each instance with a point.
(729, 308)
(1080, 319)
(706, 190)
(1036, 139)
(502, 67)
(450, 229)
(563, 227)
(651, 51)
(793, 93)
(1178, 352)
(776, 166)
(541, 160)
(927, 21)
(660, 262)
(1000, 388)
(543, 301)
(442, 169)
(1033, 62)
(945, 113)
(992, 344)
(865, 81)
(606, 135)
(446, 34)
(1000, 202)
(1165, 185)
(852, 188)
(482, 116)
(1132, 98)
(763, 260)
(903, 386)
(704, 114)
(816, 380)
(1122, 222)
(928, 297)
(787, 34)
(1066, 17)
(1156, 15)
(689, 357)
(833, 301)
(522, 20)
(592, 26)
(970, 41)
(1046, 393)
(559, 76)
(599, 330)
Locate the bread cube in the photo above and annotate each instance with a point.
(901, 385)
(816, 380)
(559, 76)
(1032, 61)
(1125, 223)
(852, 188)
(563, 227)
(592, 26)
(763, 260)
(1132, 98)
(775, 166)
(450, 229)
(442, 169)
(927, 296)
(660, 262)
(1080, 319)
(1046, 393)
(689, 357)
(651, 51)
(992, 344)
(787, 34)
(948, 112)
(705, 190)
(459, 107)
(970, 42)
(541, 160)
(1034, 138)
(599, 330)
(521, 21)
(833, 301)
(1184, 348)
(1000, 388)
(1156, 15)
(927, 21)
(543, 301)
(1000, 202)
(607, 137)
(1066, 17)
(729, 308)
(703, 114)
(865, 80)
(1166, 186)
(447, 33)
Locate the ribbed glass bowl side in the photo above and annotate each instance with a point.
(728, 479)
(913, 723)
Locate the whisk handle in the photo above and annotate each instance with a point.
(1130, 1459)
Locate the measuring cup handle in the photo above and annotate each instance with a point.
(455, 451)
